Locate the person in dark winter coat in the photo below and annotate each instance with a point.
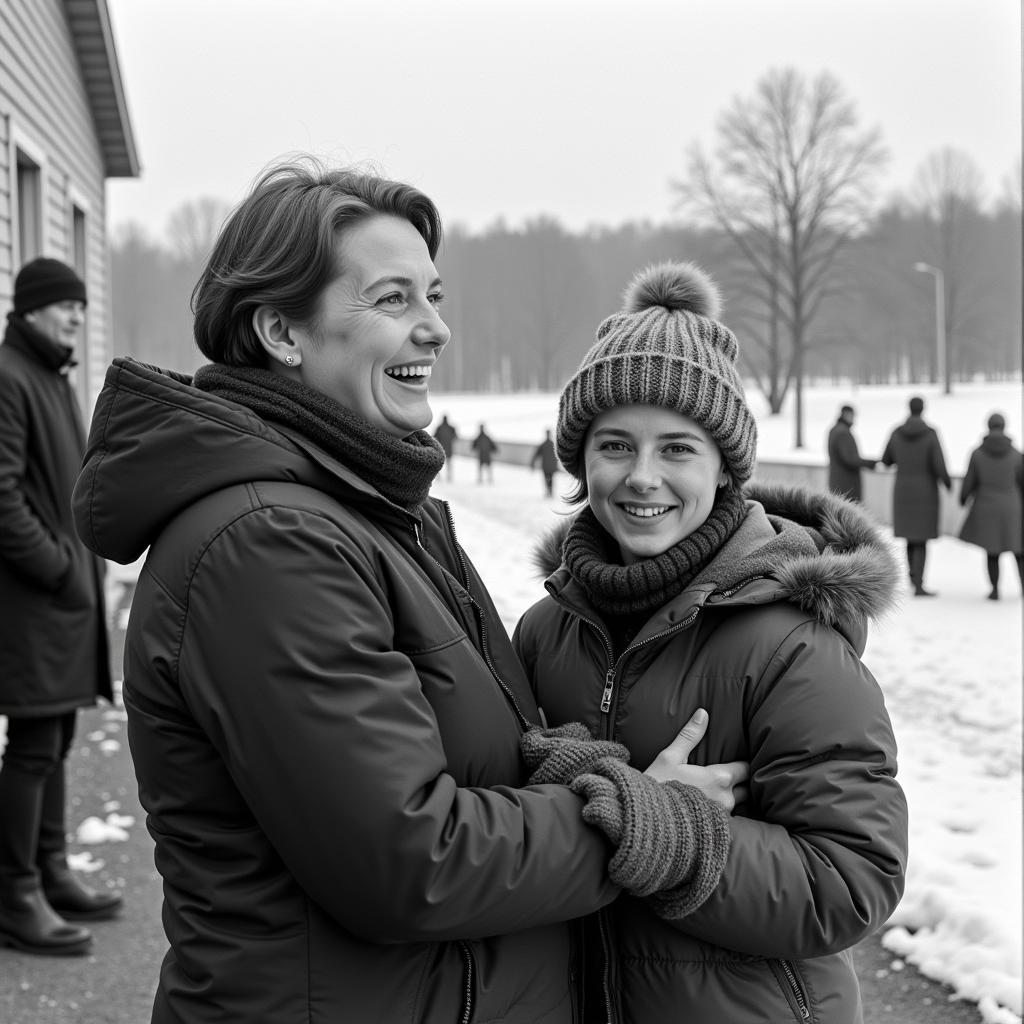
(53, 639)
(674, 590)
(485, 448)
(844, 459)
(544, 454)
(325, 714)
(992, 486)
(915, 451)
(446, 436)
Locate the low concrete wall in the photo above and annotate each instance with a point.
(877, 484)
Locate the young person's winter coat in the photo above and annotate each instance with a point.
(291, 623)
(768, 639)
(53, 639)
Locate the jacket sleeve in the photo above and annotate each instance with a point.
(889, 455)
(938, 461)
(970, 481)
(328, 736)
(26, 544)
(846, 451)
(826, 865)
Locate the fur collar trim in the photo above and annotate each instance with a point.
(820, 552)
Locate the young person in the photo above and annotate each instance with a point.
(672, 590)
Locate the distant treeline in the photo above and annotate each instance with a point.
(819, 279)
(523, 303)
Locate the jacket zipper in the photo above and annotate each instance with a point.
(609, 680)
(467, 997)
(795, 989)
(485, 648)
(606, 729)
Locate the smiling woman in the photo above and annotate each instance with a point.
(324, 711)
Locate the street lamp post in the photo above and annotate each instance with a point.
(940, 321)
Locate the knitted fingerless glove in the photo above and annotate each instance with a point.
(671, 840)
(561, 753)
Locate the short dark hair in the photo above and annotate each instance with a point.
(845, 409)
(997, 421)
(278, 248)
(916, 406)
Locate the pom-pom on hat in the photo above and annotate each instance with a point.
(43, 281)
(665, 348)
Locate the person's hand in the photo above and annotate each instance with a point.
(722, 783)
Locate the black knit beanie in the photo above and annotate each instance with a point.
(43, 281)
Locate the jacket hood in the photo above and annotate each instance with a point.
(996, 444)
(823, 553)
(157, 445)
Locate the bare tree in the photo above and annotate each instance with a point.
(790, 181)
(193, 228)
(947, 192)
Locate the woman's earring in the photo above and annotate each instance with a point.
(289, 360)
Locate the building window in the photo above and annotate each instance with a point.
(29, 189)
(78, 241)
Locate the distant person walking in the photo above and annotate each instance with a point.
(446, 436)
(485, 449)
(915, 451)
(53, 640)
(544, 453)
(844, 459)
(992, 486)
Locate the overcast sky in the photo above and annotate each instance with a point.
(581, 109)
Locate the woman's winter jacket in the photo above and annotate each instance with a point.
(53, 639)
(324, 714)
(768, 639)
(993, 484)
(915, 451)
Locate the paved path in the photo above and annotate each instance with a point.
(114, 985)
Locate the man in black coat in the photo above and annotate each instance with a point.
(914, 449)
(53, 640)
(844, 461)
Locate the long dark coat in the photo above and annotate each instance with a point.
(767, 638)
(53, 640)
(915, 451)
(992, 484)
(845, 462)
(324, 712)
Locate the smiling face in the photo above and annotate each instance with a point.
(377, 331)
(652, 476)
(59, 321)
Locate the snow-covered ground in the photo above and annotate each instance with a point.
(950, 668)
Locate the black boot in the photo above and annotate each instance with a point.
(72, 898)
(29, 923)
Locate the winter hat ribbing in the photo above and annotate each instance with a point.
(663, 348)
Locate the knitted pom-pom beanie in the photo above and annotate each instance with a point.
(665, 348)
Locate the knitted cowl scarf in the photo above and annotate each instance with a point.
(590, 555)
(402, 469)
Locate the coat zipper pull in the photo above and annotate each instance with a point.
(609, 685)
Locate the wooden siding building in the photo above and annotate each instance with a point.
(64, 129)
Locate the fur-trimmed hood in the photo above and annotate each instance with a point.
(813, 549)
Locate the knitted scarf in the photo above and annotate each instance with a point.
(591, 557)
(402, 469)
